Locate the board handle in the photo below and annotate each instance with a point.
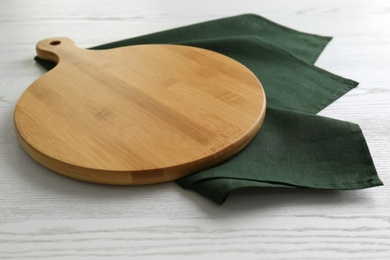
(51, 49)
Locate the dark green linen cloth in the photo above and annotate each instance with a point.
(295, 147)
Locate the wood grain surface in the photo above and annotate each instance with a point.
(137, 115)
(47, 216)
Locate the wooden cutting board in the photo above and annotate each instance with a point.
(137, 115)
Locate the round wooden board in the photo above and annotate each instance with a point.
(137, 115)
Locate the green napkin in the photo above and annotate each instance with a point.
(295, 147)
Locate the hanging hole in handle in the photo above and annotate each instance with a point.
(55, 43)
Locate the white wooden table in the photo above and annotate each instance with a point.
(44, 215)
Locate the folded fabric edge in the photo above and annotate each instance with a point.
(218, 188)
(372, 181)
(254, 16)
(345, 83)
(207, 187)
(366, 157)
(323, 40)
(354, 131)
(320, 49)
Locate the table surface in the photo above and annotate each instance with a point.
(44, 215)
